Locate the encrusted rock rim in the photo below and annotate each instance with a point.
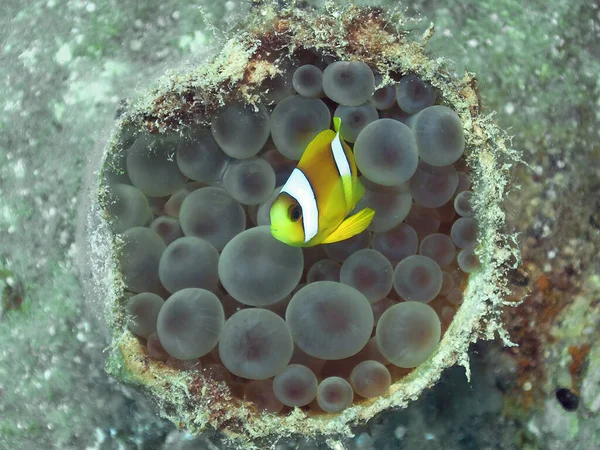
(196, 404)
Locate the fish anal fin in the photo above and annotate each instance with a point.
(351, 226)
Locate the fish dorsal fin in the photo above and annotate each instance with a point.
(321, 140)
(351, 226)
(337, 123)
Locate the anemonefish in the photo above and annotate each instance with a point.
(314, 203)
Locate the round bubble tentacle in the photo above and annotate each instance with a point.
(190, 322)
(257, 269)
(296, 385)
(386, 152)
(212, 214)
(334, 394)
(241, 130)
(349, 83)
(408, 333)
(329, 320)
(414, 94)
(255, 344)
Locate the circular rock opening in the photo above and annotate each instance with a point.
(264, 328)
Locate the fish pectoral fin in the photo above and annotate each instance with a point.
(351, 226)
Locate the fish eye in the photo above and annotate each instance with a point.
(295, 213)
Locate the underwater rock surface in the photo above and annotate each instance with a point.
(331, 320)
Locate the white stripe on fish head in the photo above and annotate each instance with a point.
(298, 187)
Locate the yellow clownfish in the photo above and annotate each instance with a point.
(322, 190)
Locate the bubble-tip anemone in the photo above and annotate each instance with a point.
(253, 59)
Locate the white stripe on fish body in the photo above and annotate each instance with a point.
(299, 188)
(339, 155)
(342, 163)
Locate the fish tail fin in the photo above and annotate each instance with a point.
(337, 123)
(353, 225)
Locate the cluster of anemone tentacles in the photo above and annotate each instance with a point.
(208, 287)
